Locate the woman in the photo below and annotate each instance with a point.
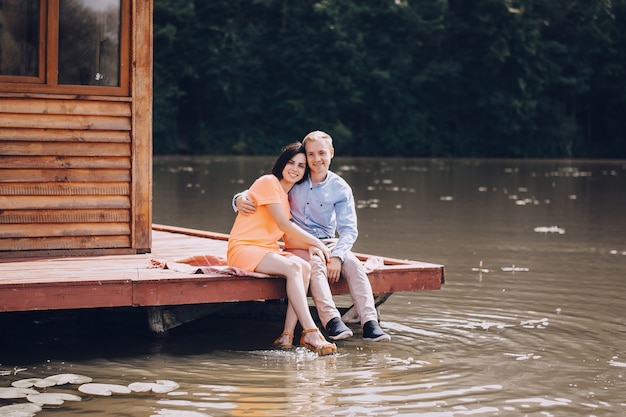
(253, 245)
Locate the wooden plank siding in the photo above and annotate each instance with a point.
(76, 160)
(65, 174)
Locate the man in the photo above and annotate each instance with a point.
(324, 206)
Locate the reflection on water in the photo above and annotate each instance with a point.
(530, 322)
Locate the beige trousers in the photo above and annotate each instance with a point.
(353, 272)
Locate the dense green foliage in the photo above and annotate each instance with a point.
(472, 78)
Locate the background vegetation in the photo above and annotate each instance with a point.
(471, 78)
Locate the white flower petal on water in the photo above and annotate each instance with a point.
(515, 269)
(104, 389)
(62, 379)
(33, 382)
(19, 410)
(549, 229)
(161, 386)
(16, 392)
(52, 398)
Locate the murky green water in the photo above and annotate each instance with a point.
(531, 321)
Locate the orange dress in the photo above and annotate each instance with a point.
(254, 236)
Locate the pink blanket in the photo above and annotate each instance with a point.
(212, 264)
(204, 264)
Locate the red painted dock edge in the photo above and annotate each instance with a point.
(29, 284)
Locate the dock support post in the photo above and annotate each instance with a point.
(155, 320)
(351, 316)
(163, 318)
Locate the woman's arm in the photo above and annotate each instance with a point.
(293, 230)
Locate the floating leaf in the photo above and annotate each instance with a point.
(52, 398)
(62, 379)
(104, 389)
(19, 410)
(141, 386)
(16, 392)
(30, 382)
(161, 386)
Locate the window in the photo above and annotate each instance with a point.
(19, 37)
(89, 42)
(64, 46)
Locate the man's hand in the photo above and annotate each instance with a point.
(245, 205)
(333, 269)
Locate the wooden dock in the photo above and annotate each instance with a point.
(35, 284)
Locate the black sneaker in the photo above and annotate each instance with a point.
(337, 329)
(373, 333)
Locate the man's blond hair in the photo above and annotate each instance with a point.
(318, 135)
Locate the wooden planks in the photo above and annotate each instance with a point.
(65, 148)
(63, 135)
(125, 280)
(65, 107)
(141, 89)
(65, 174)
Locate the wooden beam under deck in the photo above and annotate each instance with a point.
(31, 284)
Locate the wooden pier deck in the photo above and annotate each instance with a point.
(34, 284)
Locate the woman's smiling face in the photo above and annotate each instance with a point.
(295, 168)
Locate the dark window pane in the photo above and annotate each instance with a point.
(89, 42)
(19, 37)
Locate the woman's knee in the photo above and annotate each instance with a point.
(293, 268)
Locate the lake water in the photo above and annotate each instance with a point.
(531, 320)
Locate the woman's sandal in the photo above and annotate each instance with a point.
(289, 344)
(326, 348)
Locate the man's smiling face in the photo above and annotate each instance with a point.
(319, 153)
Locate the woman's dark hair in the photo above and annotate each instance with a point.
(289, 152)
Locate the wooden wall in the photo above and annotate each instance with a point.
(65, 174)
(76, 170)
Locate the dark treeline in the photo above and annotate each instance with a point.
(441, 78)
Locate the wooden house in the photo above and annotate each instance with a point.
(75, 127)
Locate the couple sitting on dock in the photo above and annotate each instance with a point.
(306, 205)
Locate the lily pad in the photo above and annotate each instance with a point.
(178, 413)
(52, 398)
(161, 386)
(62, 379)
(19, 410)
(104, 389)
(33, 382)
(16, 392)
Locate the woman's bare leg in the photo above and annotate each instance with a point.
(296, 273)
(291, 319)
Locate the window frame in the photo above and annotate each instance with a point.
(47, 79)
